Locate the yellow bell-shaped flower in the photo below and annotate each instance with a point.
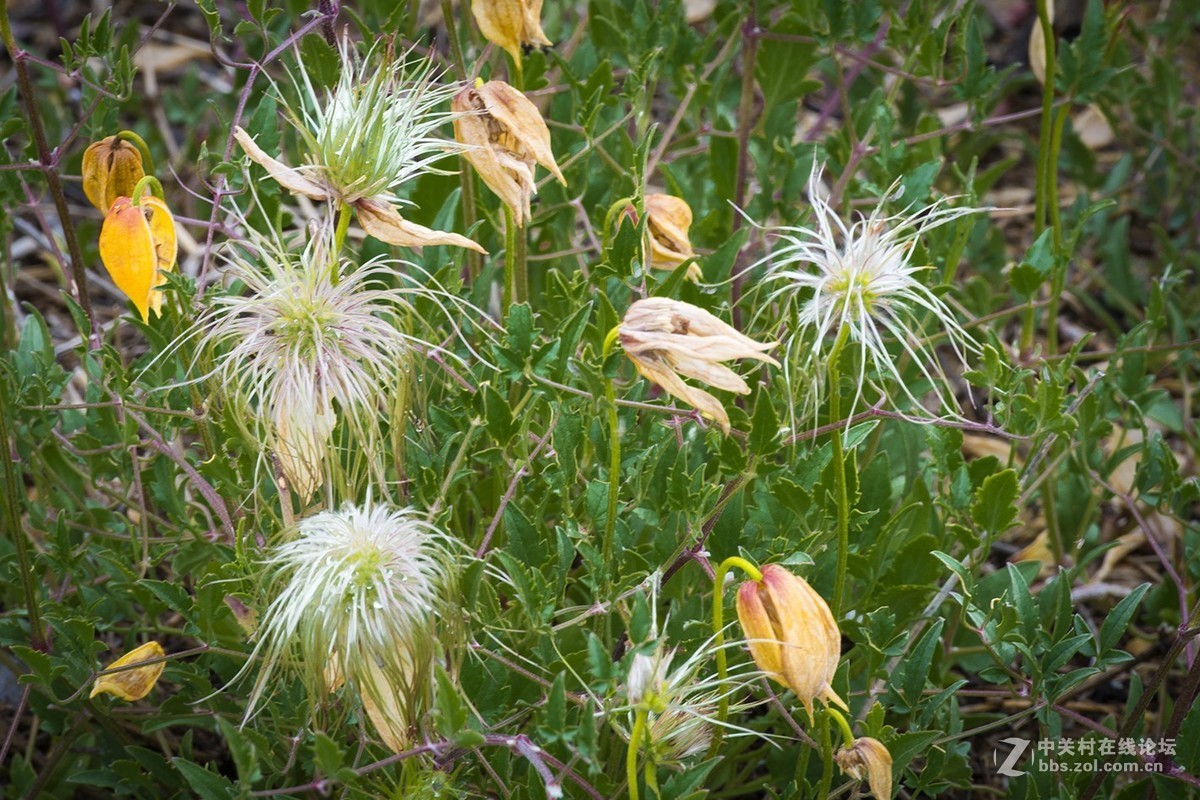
(136, 683)
(138, 245)
(111, 168)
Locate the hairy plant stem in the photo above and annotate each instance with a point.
(1045, 194)
(614, 459)
(12, 524)
(466, 179)
(744, 125)
(49, 168)
(839, 473)
(631, 756)
(516, 277)
(826, 738)
(718, 624)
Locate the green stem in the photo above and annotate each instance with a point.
(516, 279)
(1047, 162)
(474, 263)
(631, 757)
(614, 457)
(718, 623)
(847, 734)
(147, 182)
(826, 756)
(140, 144)
(339, 233)
(1058, 277)
(839, 474)
(12, 524)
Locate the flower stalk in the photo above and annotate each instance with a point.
(614, 451)
(635, 744)
(839, 473)
(718, 625)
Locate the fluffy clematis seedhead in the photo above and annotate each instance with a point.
(667, 339)
(375, 131)
(856, 280)
(355, 600)
(505, 137)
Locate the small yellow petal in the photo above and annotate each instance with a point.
(132, 684)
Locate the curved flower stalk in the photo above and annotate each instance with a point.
(855, 283)
(375, 131)
(302, 353)
(666, 338)
(357, 595)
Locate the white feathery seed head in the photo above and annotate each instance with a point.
(857, 279)
(378, 127)
(356, 596)
(302, 350)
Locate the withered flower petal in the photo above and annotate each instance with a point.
(111, 168)
(384, 222)
(506, 136)
(871, 758)
(511, 24)
(667, 221)
(666, 338)
(289, 178)
(791, 634)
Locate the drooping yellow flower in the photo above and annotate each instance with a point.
(871, 758)
(667, 221)
(136, 683)
(111, 168)
(667, 338)
(507, 137)
(792, 634)
(511, 24)
(137, 245)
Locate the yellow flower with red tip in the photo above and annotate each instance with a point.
(138, 245)
(792, 634)
(136, 683)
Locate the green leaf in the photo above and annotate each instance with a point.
(764, 427)
(995, 505)
(1118, 620)
(208, 785)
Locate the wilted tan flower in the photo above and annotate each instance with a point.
(132, 684)
(870, 758)
(111, 168)
(507, 136)
(667, 221)
(511, 24)
(666, 338)
(792, 634)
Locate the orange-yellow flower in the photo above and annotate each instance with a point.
(511, 24)
(666, 338)
(868, 757)
(792, 635)
(137, 245)
(136, 683)
(507, 137)
(111, 168)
